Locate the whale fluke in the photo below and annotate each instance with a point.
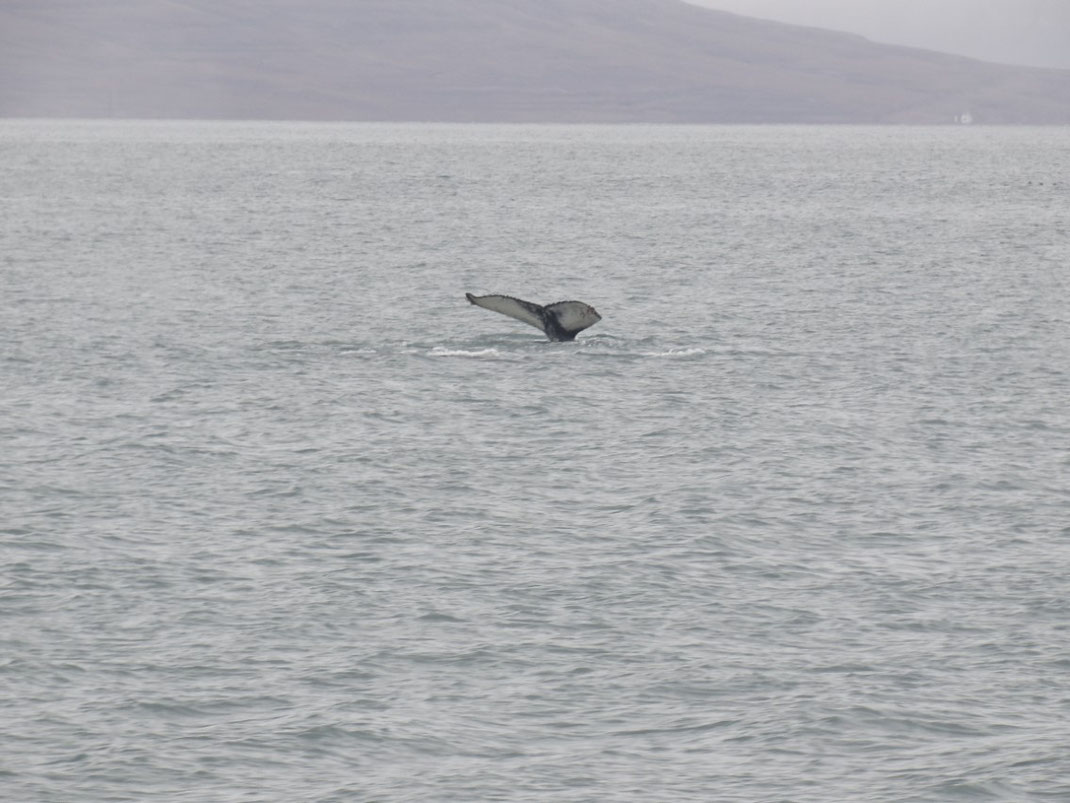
(562, 320)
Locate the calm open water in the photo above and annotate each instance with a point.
(283, 518)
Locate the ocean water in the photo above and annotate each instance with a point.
(283, 518)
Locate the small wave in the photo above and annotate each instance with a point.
(439, 351)
(692, 352)
(625, 353)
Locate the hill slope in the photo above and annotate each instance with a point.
(483, 60)
(1027, 32)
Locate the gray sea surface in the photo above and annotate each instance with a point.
(283, 518)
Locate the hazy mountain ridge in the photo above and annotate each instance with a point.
(1024, 32)
(484, 60)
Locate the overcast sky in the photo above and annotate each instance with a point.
(1034, 32)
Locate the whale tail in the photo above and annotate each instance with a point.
(562, 320)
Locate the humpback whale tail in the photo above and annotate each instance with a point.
(562, 320)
